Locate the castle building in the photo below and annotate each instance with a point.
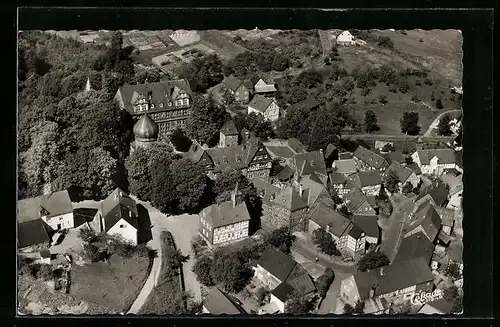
(145, 132)
(167, 102)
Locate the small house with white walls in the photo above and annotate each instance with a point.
(346, 38)
(436, 161)
(264, 106)
(118, 216)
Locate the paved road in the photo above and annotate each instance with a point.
(326, 45)
(393, 234)
(435, 123)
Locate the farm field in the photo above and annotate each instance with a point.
(221, 43)
(114, 285)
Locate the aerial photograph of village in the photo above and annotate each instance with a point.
(210, 172)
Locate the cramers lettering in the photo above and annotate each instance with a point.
(423, 298)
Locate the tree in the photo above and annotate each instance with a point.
(334, 195)
(403, 86)
(324, 281)
(365, 91)
(439, 104)
(409, 123)
(175, 258)
(256, 123)
(230, 271)
(359, 307)
(323, 127)
(205, 121)
(382, 99)
(408, 160)
(325, 242)
(348, 309)
(385, 42)
(202, 268)
(371, 123)
(180, 141)
(91, 252)
(190, 182)
(372, 260)
(87, 235)
(391, 181)
(444, 126)
(296, 304)
(163, 193)
(203, 73)
(308, 79)
(407, 188)
(452, 270)
(282, 238)
(44, 272)
(344, 211)
(225, 183)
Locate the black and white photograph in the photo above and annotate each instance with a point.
(227, 172)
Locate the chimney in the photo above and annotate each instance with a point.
(372, 291)
(234, 195)
(382, 271)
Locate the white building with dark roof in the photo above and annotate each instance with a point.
(437, 161)
(264, 106)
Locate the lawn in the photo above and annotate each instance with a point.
(169, 286)
(389, 115)
(115, 284)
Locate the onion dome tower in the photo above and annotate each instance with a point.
(145, 131)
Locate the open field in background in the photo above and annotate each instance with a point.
(389, 115)
(114, 285)
(440, 50)
(222, 43)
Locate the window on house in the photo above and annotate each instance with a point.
(161, 104)
(152, 105)
(122, 226)
(169, 104)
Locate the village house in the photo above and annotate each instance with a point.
(389, 285)
(260, 87)
(225, 223)
(275, 268)
(436, 161)
(454, 253)
(237, 88)
(54, 209)
(118, 216)
(264, 106)
(228, 134)
(359, 204)
(250, 157)
(349, 238)
(447, 219)
(307, 163)
(167, 102)
(455, 193)
(369, 182)
(436, 192)
(369, 226)
(145, 133)
(346, 38)
(284, 150)
(415, 246)
(32, 231)
(287, 208)
(331, 154)
(369, 160)
(346, 167)
(404, 174)
(218, 303)
(425, 219)
(312, 188)
(339, 183)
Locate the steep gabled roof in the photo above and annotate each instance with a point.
(232, 83)
(229, 128)
(370, 158)
(354, 199)
(260, 103)
(289, 198)
(276, 262)
(53, 204)
(337, 178)
(414, 246)
(119, 205)
(428, 218)
(401, 171)
(368, 224)
(345, 166)
(315, 162)
(218, 303)
(445, 156)
(283, 291)
(296, 145)
(365, 178)
(225, 214)
(308, 104)
(32, 232)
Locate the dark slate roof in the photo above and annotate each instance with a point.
(370, 158)
(55, 204)
(195, 152)
(372, 200)
(401, 171)
(285, 174)
(396, 156)
(445, 156)
(296, 145)
(428, 218)
(232, 83)
(330, 149)
(455, 250)
(444, 238)
(281, 151)
(225, 214)
(161, 92)
(283, 291)
(309, 103)
(300, 280)
(289, 198)
(233, 157)
(368, 224)
(442, 305)
(276, 263)
(325, 215)
(229, 128)
(365, 178)
(146, 128)
(265, 189)
(315, 161)
(218, 303)
(354, 199)
(345, 166)
(355, 232)
(337, 178)
(414, 246)
(397, 276)
(438, 192)
(260, 103)
(32, 232)
(117, 206)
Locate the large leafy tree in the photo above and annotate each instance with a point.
(325, 242)
(409, 123)
(162, 187)
(282, 238)
(203, 73)
(202, 269)
(206, 120)
(226, 183)
(296, 304)
(324, 126)
(371, 123)
(230, 271)
(391, 181)
(372, 260)
(255, 123)
(444, 126)
(190, 183)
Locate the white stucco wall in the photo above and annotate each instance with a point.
(128, 231)
(66, 221)
(280, 304)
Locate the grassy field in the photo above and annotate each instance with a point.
(169, 287)
(34, 297)
(115, 284)
(221, 43)
(389, 115)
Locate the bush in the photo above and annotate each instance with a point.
(372, 260)
(87, 235)
(428, 81)
(261, 294)
(91, 252)
(439, 104)
(324, 281)
(118, 245)
(180, 141)
(325, 242)
(44, 272)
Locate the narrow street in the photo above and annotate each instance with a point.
(435, 123)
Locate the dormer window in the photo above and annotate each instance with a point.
(161, 104)
(169, 104)
(150, 95)
(152, 105)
